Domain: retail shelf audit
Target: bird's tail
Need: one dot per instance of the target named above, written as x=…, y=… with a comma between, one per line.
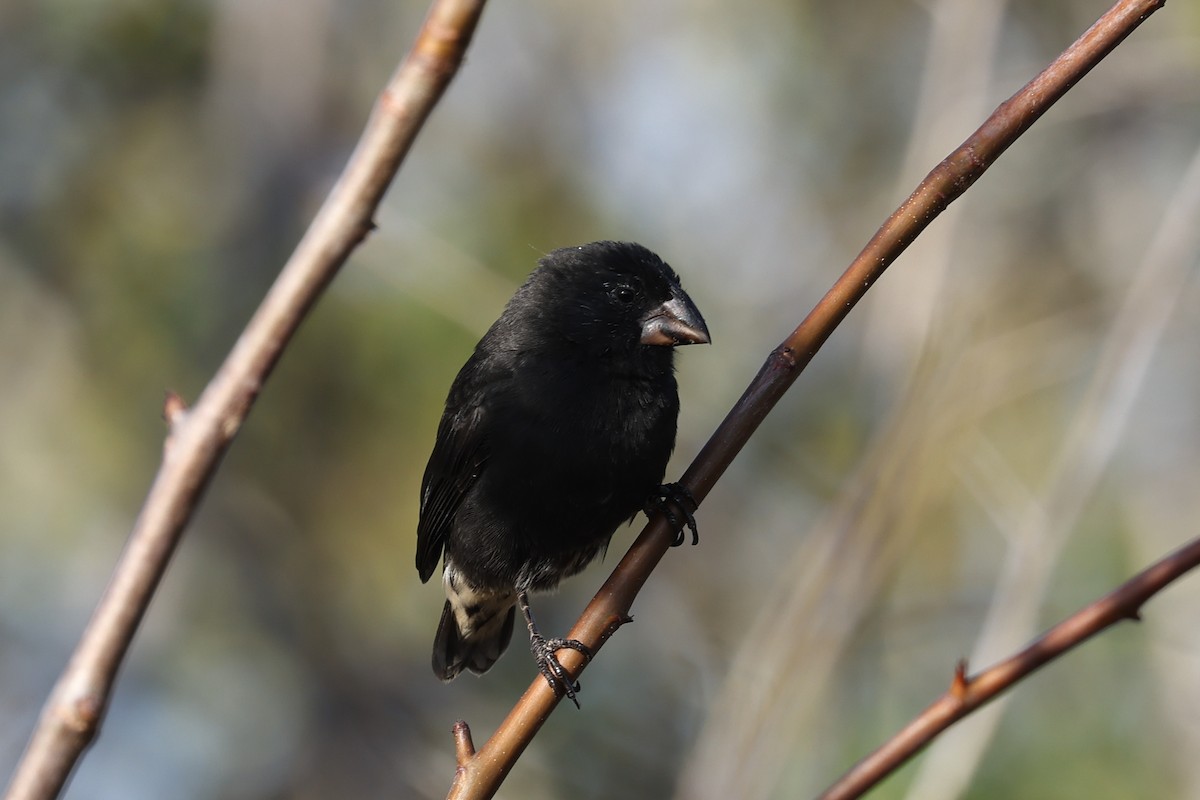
x=476, y=628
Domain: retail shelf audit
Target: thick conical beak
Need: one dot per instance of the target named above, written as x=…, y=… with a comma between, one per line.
x=675, y=322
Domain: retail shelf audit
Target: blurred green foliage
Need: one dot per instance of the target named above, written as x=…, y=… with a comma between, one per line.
x=159, y=160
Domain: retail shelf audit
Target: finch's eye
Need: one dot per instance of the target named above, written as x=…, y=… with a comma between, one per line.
x=622, y=293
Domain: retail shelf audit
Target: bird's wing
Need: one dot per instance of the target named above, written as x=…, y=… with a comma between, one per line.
x=459, y=455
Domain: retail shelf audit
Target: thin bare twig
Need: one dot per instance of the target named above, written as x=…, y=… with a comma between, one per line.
x=199, y=437
x=482, y=775
x=1043, y=527
x=968, y=693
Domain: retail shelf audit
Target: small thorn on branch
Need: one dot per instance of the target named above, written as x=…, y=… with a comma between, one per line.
x=464, y=746
x=615, y=621
x=174, y=409
x=960, y=682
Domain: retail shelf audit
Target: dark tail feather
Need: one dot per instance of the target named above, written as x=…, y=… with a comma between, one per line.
x=491, y=630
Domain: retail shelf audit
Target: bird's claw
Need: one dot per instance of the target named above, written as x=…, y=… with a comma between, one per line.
x=672, y=496
x=552, y=670
x=544, y=650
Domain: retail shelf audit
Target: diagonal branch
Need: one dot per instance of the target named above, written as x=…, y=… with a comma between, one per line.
x=480, y=774
x=199, y=437
x=968, y=693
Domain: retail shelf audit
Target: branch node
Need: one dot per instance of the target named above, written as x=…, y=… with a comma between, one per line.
x=83, y=715
x=786, y=356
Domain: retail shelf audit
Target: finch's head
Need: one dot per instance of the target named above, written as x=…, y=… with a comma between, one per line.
x=615, y=298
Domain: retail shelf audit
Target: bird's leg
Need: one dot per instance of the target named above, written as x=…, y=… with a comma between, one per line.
x=667, y=498
x=544, y=654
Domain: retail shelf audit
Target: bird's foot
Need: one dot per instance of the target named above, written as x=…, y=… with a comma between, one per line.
x=552, y=670
x=669, y=497
x=544, y=654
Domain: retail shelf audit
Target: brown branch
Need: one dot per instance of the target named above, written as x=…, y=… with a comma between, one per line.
x=482, y=775
x=969, y=693
x=199, y=436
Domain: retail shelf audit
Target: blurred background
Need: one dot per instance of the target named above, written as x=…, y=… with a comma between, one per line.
x=1008, y=427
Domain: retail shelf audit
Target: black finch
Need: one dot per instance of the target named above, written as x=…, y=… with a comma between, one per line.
x=556, y=430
